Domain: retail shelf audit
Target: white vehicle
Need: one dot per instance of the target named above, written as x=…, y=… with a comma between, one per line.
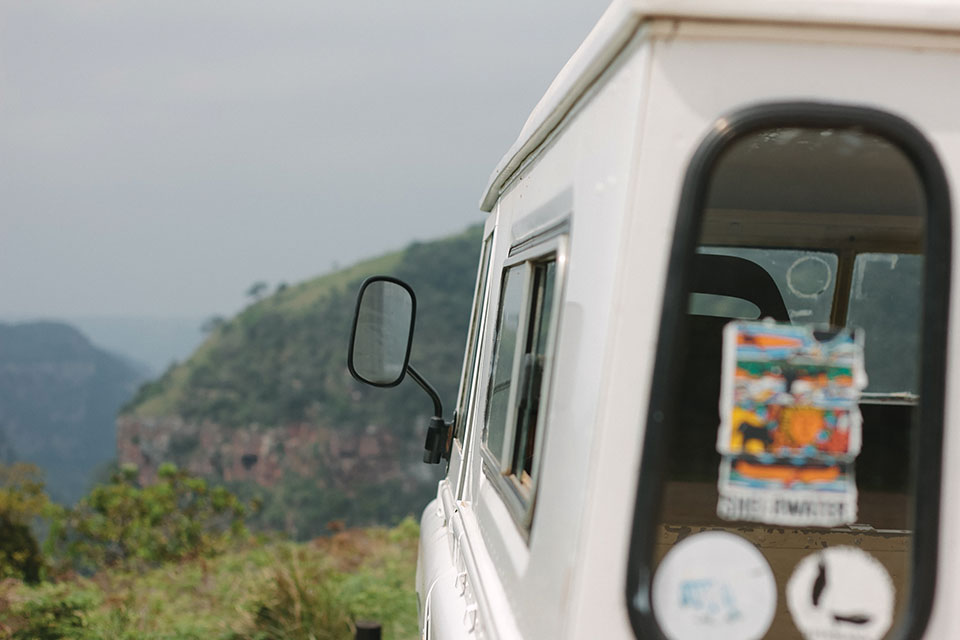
x=617, y=467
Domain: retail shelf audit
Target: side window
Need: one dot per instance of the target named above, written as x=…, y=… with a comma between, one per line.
x=464, y=402
x=790, y=474
x=504, y=359
x=514, y=425
x=531, y=373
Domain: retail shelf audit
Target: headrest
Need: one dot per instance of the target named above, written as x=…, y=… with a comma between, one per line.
x=738, y=278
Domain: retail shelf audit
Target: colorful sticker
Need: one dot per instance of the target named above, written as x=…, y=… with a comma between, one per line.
x=714, y=585
x=841, y=593
x=790, y=424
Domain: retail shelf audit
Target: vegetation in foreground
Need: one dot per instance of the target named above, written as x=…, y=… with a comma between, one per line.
x=174, y=561
x=279, y=590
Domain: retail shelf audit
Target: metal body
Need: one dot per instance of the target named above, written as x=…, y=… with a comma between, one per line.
x=603, y=159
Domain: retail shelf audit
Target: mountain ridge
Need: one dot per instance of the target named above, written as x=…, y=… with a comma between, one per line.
x=59, y=394
x=266, y=404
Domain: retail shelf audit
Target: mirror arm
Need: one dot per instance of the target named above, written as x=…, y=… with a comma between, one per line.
x=437, y=446
x=437, y=407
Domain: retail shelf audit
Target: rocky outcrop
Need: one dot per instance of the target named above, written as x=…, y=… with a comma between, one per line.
x=259, y=454
x=267, y=406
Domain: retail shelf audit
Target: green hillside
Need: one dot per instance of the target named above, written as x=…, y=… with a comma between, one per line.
x=282, y=361
x=277, y=327
x=59, y=395
x=283, y=358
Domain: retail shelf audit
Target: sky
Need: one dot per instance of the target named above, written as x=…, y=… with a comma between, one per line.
x=158, y=157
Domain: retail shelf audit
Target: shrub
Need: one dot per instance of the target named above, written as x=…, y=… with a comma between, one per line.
x=316, y=591
x=20, y=556
x=121, y=524
x=301, y=600
x=22, y=499
x=54, y=612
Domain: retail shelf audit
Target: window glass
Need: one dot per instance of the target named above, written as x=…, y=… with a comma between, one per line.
x=473, y=344
x=506, y=346
x=518, y=382
x=885, y=301
x=710, y=304
x=534, y=360
x=805, y=279
x=820, y=230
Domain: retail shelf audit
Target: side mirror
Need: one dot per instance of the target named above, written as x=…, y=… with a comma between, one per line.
x=382, y=332
x=380, y=351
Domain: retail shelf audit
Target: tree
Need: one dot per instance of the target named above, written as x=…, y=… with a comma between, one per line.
x=22, y=499
x=212, y=323
x=123, y=524
x=257, y=290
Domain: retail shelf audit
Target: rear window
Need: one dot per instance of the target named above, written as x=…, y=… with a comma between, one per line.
x=806, y=280
x=883, y=300
x=780, y=493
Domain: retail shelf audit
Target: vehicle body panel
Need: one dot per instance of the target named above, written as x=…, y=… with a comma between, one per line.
x=606, y=154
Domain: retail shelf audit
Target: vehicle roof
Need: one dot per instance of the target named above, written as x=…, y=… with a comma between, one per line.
x=621, y=19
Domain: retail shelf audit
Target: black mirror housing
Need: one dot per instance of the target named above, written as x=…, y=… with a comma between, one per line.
x=382, y=332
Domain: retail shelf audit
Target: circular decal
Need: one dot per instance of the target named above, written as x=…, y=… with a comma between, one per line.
x=714, y=585
x=809, y=276
x=841, y=593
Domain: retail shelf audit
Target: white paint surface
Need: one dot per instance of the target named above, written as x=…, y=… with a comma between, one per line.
x=640, y=121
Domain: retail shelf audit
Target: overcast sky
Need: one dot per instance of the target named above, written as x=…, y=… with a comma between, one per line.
x=157, y=157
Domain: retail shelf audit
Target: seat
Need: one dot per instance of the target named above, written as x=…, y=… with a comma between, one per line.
x=693, y=456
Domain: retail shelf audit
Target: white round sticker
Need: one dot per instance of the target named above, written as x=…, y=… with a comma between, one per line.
x=714, y=585
x=841, y=593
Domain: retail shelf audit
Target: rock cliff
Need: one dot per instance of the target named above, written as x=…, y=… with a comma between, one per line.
x=266, y=404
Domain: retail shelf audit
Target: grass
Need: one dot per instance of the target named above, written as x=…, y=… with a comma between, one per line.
x=271, y=591
x=304, y=295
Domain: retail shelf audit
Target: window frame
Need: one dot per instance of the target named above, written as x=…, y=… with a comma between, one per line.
x=549, y=246
x=468, y=376
x=464, y=418
x=665, y=388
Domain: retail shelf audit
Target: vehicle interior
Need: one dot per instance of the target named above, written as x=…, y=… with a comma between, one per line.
x=821, y=228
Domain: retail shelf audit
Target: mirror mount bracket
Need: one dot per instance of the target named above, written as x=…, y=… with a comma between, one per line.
x=426, y=386
x=436, y=447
